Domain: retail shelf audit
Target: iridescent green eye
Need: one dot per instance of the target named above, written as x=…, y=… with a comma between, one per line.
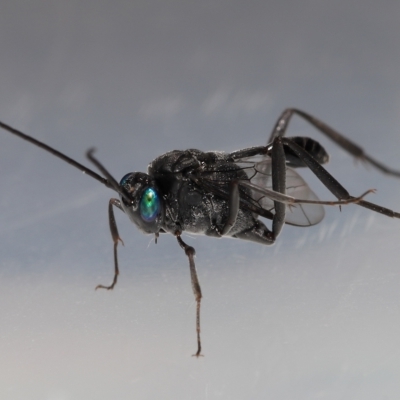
x=149, y=205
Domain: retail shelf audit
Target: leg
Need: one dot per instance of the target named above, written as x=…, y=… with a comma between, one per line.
x=190, y=252
x=115, y=238
x=346, y=144
x=278, y=193
x=277, y=166
x=233, y=205
x=278, y=182
x=259, y=233
x=332, y=184
x=278, y=169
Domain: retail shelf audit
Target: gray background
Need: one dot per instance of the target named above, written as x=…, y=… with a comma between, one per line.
x=314, y=317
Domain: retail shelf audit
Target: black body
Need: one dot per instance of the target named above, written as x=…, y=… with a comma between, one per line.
x=195, y=189
x=225, y=194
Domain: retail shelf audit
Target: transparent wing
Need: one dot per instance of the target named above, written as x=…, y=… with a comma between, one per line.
x=258, y=171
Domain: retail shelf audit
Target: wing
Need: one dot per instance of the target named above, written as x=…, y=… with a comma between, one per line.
x=259, y=183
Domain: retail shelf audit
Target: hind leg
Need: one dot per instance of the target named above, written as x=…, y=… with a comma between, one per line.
x=258, y=233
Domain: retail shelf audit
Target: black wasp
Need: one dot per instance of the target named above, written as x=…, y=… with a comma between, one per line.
x=224, y=194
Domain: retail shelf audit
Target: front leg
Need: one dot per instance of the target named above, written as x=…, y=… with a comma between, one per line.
x=190, y=252
x=115, y=238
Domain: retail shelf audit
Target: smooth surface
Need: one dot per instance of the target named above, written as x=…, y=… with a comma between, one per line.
x=314, y=317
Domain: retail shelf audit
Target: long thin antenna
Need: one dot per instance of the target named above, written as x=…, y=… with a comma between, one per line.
x=58, y=154
x=111, y=181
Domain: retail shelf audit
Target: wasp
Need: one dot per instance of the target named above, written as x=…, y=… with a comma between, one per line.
x=224, y=194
